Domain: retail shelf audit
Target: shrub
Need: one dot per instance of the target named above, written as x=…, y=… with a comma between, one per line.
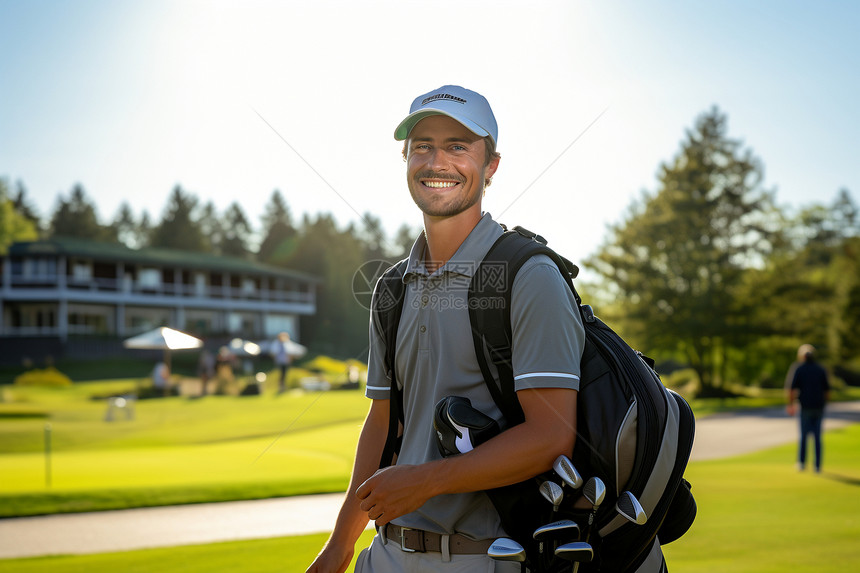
x=43, y=377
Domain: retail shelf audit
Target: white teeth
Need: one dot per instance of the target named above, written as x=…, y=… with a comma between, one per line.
x=440, y=184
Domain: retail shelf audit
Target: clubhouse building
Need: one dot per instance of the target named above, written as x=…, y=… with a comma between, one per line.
x=72, y=296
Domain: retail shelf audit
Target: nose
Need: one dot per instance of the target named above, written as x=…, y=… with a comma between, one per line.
x=438, y=160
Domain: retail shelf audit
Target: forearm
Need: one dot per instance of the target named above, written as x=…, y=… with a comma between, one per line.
x=513, y=456
x=351, y=520
x=519, y=453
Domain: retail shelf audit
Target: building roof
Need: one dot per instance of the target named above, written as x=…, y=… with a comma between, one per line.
x=75, y=247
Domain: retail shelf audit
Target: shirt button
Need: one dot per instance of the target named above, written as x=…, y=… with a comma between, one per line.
x=423, y=329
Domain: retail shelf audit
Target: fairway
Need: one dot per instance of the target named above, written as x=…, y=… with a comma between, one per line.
x=757, y=514
x=174, y=450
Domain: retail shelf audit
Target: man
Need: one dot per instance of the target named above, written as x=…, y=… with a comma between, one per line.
x=425, y=500
x=280, y=351
x=808, y=384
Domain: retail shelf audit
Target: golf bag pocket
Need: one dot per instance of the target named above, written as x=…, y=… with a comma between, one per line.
x=680, y=516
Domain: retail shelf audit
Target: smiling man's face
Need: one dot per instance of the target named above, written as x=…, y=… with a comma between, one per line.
x=445, y=167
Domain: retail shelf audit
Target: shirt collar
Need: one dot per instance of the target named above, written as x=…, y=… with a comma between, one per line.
x=470, y=253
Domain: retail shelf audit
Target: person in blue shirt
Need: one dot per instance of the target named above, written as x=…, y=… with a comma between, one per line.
x=807, y=383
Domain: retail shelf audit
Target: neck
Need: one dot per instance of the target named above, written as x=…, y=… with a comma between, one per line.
x=445, y=235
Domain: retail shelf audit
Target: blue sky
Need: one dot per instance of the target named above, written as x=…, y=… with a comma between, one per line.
x=232, y=100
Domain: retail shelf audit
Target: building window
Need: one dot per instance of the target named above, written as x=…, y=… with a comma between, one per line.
x=37, y=267
x=82, y=272
x=149, y=278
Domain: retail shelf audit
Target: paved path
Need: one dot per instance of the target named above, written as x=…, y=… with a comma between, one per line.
x=731, y=434
x=716, y=436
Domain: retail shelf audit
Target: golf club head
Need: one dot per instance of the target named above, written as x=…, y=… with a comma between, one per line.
x=552, y=492
x=505, y=549
x=557, y=530
x=459, y=427
x=575, y=551
x=568, y=474
x=594, y=491
x=630, y=508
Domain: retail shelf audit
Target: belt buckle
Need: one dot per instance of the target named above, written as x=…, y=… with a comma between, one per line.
x=403, y=531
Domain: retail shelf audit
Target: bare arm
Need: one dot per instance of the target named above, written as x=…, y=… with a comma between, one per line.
x=517, y=454
x=351, y=521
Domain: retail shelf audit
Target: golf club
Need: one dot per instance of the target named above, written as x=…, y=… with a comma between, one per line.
x=506, y=549
x=552, y=492
x=556, y=531
x=567, y=472
x=628, y=506
x=594, y=491
x=577, y=551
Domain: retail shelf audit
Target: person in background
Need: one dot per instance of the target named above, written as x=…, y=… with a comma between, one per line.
x=807, y=383
x=280, y=351
x=206, y=370
x=161, y=377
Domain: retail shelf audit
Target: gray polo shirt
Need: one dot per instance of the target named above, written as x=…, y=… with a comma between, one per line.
x=435, y=357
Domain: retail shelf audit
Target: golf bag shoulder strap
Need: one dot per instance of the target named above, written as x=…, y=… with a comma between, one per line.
x=386, y=308
x=490, y=310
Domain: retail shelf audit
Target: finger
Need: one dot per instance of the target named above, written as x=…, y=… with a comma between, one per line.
x=363, y=490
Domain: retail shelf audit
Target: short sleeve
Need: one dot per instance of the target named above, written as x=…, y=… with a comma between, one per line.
x=548, y=336
x=378, y=383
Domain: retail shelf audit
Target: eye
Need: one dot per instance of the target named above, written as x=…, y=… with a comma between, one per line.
x=458, y=147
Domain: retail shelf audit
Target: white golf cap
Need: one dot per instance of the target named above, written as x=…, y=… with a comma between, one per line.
x=468, y=107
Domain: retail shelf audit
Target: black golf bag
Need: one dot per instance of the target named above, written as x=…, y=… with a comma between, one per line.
x=632, y=432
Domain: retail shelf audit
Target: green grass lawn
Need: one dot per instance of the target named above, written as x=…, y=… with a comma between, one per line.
x=175, y=450
x=757, y=514
x=179, y=450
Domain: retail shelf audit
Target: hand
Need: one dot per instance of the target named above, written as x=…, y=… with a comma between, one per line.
x=334, y=558
x=790, y=409
x=392, y=492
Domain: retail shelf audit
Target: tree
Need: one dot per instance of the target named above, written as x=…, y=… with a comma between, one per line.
x=23, y=206
x=211, y=226
x=76, y=217
x=126, y=228
x=144, y=230
x=14, y=225
x=373, y=236
x=340, y=325
x=677, y=260
x=237, y=232
x=178, y=228
x=280, y=237
x=403, y=241
x=808, y=290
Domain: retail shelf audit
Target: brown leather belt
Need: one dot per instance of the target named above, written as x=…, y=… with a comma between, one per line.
x=417, y=540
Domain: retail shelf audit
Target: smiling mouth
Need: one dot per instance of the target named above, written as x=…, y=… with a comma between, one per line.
x=440, y=184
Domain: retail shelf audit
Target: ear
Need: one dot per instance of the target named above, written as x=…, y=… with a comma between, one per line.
x=492, y=167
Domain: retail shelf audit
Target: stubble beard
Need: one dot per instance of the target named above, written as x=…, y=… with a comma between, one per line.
x=432, y=205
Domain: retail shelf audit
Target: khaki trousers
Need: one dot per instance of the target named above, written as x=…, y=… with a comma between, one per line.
x=388, y=557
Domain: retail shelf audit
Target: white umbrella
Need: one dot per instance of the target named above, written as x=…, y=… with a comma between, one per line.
x=163, y=337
